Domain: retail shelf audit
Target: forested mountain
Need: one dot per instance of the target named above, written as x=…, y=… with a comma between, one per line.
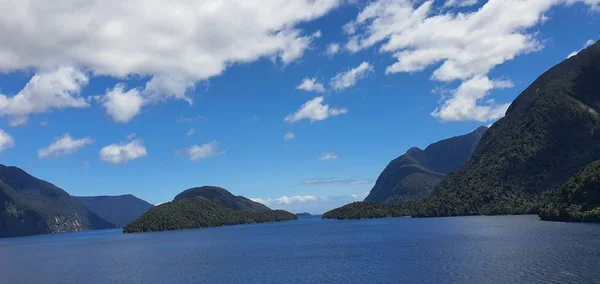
x=578, y=199
x=222, y=197
x=206, y=206
x=415, y=174
x=550, y=132
x=33, y=206
x=119, y=210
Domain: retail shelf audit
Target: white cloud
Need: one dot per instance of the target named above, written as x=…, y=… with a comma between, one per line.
x=191, y=132
x=465, y=103
x=47, y=90
x=460, y=3
x=328, y=156
x=587, y=44
x=333, y=48
x=289, y=136
x=64, y=145
x=314, y=110
x=131, y=136
x=122, y=105
x=465, y=45
x=348, y=181
x=311, y=84
x=349, y=78
x=190, y=39
x=311, y=203
x=199, y=152
x=123, y=152
x=6, y=141
x=287, y=199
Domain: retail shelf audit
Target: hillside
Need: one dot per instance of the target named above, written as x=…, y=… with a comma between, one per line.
x=578, y=199
x=34, y=206
x=119, y=210
x=415, y=174
x=550, y=132
x=202, y=207
x=222, y=197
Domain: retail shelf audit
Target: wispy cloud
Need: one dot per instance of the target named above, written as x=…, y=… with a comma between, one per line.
x=204, y=151
x=328, y=156
x=314, y=110
x=314, y=204
x=289, y=136
x=348, y=181
x=349, y=78
x=64, y=145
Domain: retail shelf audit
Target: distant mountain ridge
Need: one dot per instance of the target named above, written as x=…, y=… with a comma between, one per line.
x=33, y=206
x=415, y=174
x=222, y=197
x=119, y=210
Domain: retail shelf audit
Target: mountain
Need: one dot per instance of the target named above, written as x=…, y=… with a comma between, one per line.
x=415, y=174
x=303, y=214
x=550, y=132
x=578, y=199
x=119, y=210
x=222, y=197
x=33, y=206
x=191, y=209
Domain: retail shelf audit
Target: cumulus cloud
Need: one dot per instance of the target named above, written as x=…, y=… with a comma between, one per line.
x=460, y=3
x=314, y=110
x=6, y=141
x=463, y=45
x=287, y=199
x=333, y=48
x=466, y=102
x=311, y=84
x=64, y=145
x=59, y=88
x=123, y=152
x=587, y=44
x=328, y=156
x=348, y=181
x=190, y=39
x=204, y=151
x=122, y=105
x=349, y=78
x=289, y=136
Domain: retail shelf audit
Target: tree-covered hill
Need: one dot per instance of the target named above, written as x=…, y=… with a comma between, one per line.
x=222, y=197
x=550, y=132
x=578, y=199
x=198, y=212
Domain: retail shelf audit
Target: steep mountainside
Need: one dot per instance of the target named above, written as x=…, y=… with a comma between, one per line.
x=27, y=200
x=578, y=199
x=119, y=210
x=202, y=207
x=550, y=132
x=415, y=174
x=222, y=197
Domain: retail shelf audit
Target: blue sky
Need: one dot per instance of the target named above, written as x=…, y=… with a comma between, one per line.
x=109, y=98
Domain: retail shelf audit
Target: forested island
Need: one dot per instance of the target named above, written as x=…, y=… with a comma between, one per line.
x=203, y=207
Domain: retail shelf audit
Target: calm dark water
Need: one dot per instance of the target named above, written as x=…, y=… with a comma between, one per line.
x=505, y=249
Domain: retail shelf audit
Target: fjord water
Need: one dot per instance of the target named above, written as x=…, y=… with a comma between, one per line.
x=499, y=249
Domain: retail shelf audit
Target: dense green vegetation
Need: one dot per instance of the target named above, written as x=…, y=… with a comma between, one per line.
x=415, y=174
x=303, y=214
x=190, y=213
x=371, y=210
x=222, y=197
x=33, y=206
x=578, y=199
x=550, y=132
x=119, y=210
